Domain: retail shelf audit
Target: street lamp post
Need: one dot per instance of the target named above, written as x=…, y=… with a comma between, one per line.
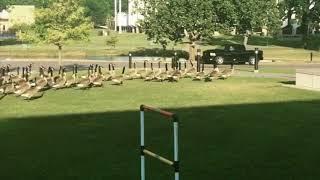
x=130, y=60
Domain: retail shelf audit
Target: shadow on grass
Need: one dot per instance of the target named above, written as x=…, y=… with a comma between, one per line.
x=288, y=82
x=157, y=52
x=256, y=41
x=248, y=141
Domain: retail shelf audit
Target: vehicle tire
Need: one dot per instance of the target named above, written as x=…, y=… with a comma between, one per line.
x=252, y=60
x=219, y=60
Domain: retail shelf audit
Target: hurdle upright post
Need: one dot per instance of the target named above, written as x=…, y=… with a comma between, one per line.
x=144, y=151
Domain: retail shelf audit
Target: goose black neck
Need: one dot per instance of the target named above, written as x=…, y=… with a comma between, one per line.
x=123, y=69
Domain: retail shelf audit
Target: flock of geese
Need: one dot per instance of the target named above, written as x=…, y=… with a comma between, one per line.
x=31, y=85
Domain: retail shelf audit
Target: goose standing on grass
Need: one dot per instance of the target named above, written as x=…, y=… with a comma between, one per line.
x=118, y=80
x=142, y=72
x=98, y=79
x=227, y=73
x=214, y=74
x=41, y=82
x=199, y=76
x=85, y=82
x=50, y=78
x=190, y=72
x=149, y=75
x=72, y=81
x=24, y=86
x=108, y=75
x=60, y=82
x=163, y=75
x=131, y=74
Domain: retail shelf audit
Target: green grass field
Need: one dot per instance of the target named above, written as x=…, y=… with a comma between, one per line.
x=285, y=50
x=240, y=128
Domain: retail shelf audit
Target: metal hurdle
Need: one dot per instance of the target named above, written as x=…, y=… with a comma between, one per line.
x=144, y=151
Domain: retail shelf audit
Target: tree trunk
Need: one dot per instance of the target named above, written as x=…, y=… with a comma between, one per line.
x=60, y=55
x=192, y=50
x=245, y=40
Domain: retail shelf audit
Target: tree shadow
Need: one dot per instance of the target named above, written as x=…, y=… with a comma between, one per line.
x=158, y=52
x=245, y=141
x=9, y=41
x=288, y=82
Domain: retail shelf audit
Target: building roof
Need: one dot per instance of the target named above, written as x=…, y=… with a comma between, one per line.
x=4, y=15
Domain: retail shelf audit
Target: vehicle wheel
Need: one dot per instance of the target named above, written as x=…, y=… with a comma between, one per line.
x=219, y=60
x=252, y=60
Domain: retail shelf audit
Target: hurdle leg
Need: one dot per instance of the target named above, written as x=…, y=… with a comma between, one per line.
x=176, y=150
x=143, y=173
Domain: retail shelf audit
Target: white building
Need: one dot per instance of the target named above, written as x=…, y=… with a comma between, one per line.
x=128, y=22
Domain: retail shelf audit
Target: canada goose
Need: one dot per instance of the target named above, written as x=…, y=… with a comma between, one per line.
x=41, y=82
x=199, y=76
x=85, y=82
x=60, y=82
x=142, y=72
x=58, y=76
x=24, y=86
x=118, y=80
x=189, y=73
x=108, y=75
x=97, y=81
x=73, y=80
x=131, y=74
x=33, y=93
x=50, y=80
x=163, y=75
x=149, y=75
x=226, y=73
x=214, y=74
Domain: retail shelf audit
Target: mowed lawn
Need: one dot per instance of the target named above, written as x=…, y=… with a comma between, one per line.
x=240, y=128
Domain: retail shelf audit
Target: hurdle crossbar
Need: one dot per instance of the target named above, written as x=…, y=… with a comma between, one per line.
x=144, y=151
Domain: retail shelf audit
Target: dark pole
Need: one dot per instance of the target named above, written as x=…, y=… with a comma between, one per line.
x=202, y=66
x=130, y=60
x=198, y=57
x=311, y=56
x=256, y=62
x=175, y=61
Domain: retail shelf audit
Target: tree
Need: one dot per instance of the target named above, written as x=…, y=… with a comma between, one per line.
x=252, y=14
x=173, y=20
x=62, y=21
x=306, y=11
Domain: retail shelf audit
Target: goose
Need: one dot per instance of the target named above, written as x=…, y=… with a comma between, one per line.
x=22, y=80
x=42, y=81
x=118, y=80
x=16, y=77
x=85, y=82
x=97, y=81
x=33, y=93
x=24, y=86
x=150, y=75
x=60, y=82
x=226, y=73
x=159, y=71
x=189, y=73
x=73, y=80
x=199, y=76
x=142, y=72
x=108, y=75
x=214, y=74
x=58, y=76
x=163, y=75
x=132, y=73
x=50, y=78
